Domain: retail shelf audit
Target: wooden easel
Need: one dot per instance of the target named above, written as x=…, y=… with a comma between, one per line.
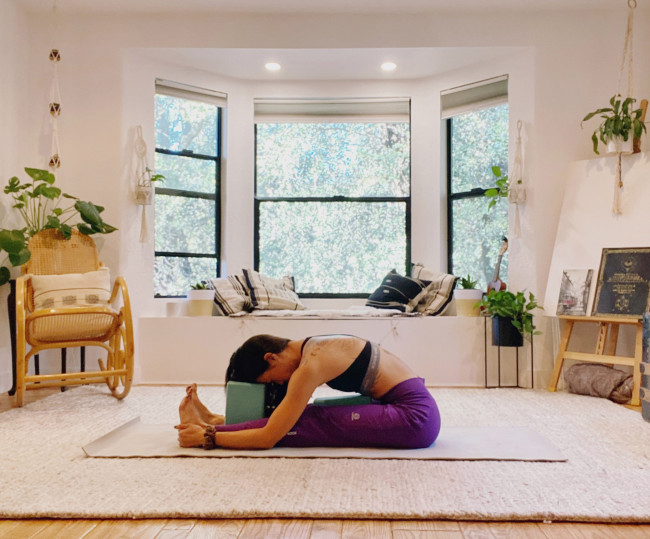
x=605, y=351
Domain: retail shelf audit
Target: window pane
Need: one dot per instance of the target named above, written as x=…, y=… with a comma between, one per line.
x=330, y=159
x=187, y=173
x=332, y=247
x=174, y=276
x=185, y=224
x=476, y=238
x=479, y=141
x=182, y=124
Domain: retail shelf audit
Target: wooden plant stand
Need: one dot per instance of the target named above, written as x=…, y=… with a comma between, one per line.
x=605, y=352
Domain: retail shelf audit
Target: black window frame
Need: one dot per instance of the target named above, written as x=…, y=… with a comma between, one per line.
x=184, y=193
x=475, y=192
x=337, y=198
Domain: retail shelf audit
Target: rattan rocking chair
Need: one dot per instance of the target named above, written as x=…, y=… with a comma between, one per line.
x=108, y=326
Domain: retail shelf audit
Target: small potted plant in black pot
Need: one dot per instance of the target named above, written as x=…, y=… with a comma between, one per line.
x=512, y=316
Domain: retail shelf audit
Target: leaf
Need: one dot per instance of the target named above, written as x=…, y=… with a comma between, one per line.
x=12, y=241
x=88, y=212
x=66, y=230
x=13, y=185
x=66, y=195
x=40, y=175
x=496, y=171
x=85, y=229
x=5, y=275
x=18, y=259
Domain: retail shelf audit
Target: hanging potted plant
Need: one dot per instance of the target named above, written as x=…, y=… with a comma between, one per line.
x=144, y=188
x=467, y=296
x=620, y=125
x=512, y=316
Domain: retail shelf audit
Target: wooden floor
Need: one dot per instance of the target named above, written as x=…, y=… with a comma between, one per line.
x=301, y=528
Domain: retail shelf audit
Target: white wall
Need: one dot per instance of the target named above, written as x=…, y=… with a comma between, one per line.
x=569, y=66
x=14, y=60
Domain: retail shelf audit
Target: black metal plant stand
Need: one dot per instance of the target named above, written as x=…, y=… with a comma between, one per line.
x=485, y=357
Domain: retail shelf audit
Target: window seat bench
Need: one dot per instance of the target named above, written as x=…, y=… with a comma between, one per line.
x=445, y=350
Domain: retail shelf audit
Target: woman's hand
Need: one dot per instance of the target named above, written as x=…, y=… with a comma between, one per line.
x=190, y=435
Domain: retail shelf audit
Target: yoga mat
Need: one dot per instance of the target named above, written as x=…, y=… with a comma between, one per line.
x=136, y=439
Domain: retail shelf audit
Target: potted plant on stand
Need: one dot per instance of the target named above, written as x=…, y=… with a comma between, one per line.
x=620, y=125
x=512, y=316
x=467, y=296
x=200, y=299
x=41, y=205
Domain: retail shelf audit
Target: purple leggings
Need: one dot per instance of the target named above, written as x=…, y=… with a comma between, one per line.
x=406, y=417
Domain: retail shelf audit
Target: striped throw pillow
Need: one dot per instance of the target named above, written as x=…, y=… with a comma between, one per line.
x=440, y=288
x=270, y=294
x=231, y=295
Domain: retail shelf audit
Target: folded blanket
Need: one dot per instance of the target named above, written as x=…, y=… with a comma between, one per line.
x=355, y=311
x=599, y=381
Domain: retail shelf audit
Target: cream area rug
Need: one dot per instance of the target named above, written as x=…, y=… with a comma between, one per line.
x=45, y=472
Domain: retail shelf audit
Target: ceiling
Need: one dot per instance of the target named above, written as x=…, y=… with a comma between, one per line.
x=317, y=64
x=310, y=6
x=328, y=64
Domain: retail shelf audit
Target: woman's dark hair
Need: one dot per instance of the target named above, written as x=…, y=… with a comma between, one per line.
x=247, y=364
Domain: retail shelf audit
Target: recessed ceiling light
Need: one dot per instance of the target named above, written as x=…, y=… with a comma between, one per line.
x=389, y=66
x=273, y=66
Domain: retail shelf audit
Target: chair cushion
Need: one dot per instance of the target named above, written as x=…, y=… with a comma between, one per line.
x=269, y=293
x=440, y=288
x=397, y=292
x=231, y=295
x=71, y=289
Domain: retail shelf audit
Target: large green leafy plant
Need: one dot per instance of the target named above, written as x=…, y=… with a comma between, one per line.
x=513, y=306
x=42, y=205
x=618, y=120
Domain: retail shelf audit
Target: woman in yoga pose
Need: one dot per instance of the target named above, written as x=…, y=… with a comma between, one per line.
x=403, y=413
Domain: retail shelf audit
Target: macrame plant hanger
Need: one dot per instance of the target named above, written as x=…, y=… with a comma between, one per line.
x=516, y=188
x=143, y=189
x=627, y=58
x=55, y=99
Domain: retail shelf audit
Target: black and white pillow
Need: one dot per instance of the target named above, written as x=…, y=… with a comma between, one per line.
x=270, y=294
x=231, y=295
x=440, y=288
x=397, y=292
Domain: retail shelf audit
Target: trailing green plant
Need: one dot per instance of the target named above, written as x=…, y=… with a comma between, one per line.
x=500, y=189
x=467, y=283
x=41, y=206
x=148, y=177
x=619, y=120
x=513, y=306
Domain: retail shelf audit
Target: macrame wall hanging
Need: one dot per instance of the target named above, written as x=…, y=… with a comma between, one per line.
x=143, y=188
x=626, y=63
x=516, y=188
x=55, y=98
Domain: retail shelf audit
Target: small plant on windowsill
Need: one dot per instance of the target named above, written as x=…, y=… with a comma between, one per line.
x=200, y=299
x=467, y=296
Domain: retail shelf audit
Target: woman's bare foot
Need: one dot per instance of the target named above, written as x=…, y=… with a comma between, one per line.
x=193, y=411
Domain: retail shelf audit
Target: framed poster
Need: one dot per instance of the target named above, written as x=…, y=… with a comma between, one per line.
x=574, y=292
x=623, y=282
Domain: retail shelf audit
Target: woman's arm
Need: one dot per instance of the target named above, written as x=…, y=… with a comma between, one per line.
x=302, y=384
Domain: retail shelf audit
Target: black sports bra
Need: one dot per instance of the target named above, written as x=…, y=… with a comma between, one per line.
x=353, y=377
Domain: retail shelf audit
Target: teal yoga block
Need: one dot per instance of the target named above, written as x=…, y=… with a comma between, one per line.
x=244, y=402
